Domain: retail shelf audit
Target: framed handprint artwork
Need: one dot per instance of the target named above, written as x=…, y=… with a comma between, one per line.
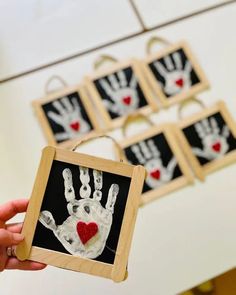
x=66, y=116
x=156, y=149
x=82, y=213
x=120, y=91
x=208, y=139
x=174, y=73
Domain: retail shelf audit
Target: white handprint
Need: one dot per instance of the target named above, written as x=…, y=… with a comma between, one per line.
x=69, y=118
x=124, y=95
x=148, y=154
x=177, y=77
x=85, y=231
x=214, y=142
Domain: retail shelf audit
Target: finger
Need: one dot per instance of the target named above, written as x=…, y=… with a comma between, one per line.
x=133, y=82
x=169, y=63
x=98, y=183
x=14, y=263
x=225, y=131
x=67, y=104
x=188, y=67
x=153, y=148
x=160, y=69
x=85, y=189
x=214, y=126
x=76, y=104
x=122, y=78
x=10, y=209
x=136, y=151
x=114, y=83
x=8, y=238
x=145, y=150
x=68, y=185
x=111, y=199
x=105, y=85
x=206, y=125
x=200, y=130
x=177, y=59
x=15, y=227
x=59, y=107
x=55, y=117
x=61, y=136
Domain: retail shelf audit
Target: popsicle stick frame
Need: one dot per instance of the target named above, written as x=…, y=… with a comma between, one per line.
x=174, y=73
x=66, y=115
x=157, y=150
x=208, y=139
x=119, y=91
x=82, y=213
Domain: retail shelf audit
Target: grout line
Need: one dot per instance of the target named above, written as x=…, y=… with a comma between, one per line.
x=195, y=13
x=84, y=52
x=138, y=15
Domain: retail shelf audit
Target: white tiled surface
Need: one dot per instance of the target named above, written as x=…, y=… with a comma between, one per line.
x=34, y=33
x=158, y=12
x=180, y=240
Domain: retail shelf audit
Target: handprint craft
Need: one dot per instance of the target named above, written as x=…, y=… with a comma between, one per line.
x=210, y=138
x=81, y=215
x=120, y=92
x=156, y=156
x=174, y=73
x=67, y=117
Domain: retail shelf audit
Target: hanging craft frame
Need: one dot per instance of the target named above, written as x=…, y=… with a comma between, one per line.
x=134, y=175
x=202, y=170
x=166, y=101
x=186, y=177
x=110, y=122
x=55, y=96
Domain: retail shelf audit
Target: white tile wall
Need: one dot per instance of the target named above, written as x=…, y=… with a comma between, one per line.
x=158, y=12
x=34, y=33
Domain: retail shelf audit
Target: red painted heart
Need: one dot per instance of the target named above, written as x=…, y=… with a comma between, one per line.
x=75, y=126
x=86, y=231
x=179, y=82
x=127, y=100
x=216, y=147
x=156, y=174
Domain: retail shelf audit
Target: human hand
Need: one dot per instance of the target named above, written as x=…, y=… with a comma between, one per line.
x=10, y=235
x=69, y=117
x=214, y=141
x=148, y=154
x=123, y=93
x=86, y=230
x=177, y=76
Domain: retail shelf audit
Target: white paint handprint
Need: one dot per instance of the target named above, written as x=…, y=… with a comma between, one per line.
x=69, y=118
x=148, y=154
x=214, y=141
x=85, y=231
x=124, y=96
x=176, y=75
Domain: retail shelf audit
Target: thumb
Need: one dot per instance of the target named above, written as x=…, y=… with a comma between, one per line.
x=8, y=238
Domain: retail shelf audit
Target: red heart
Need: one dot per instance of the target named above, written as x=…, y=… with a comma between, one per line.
x=179, y=82
x=156, y=174
x=127, y=100
x=86, y=231
x=216, y=147
x=75, y=125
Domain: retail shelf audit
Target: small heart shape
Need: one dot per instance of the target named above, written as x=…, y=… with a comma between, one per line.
x=216, y=147
x=86, y=231
x=75, y=126
x=179, y=82
x=156, y=174
x=127, y=100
